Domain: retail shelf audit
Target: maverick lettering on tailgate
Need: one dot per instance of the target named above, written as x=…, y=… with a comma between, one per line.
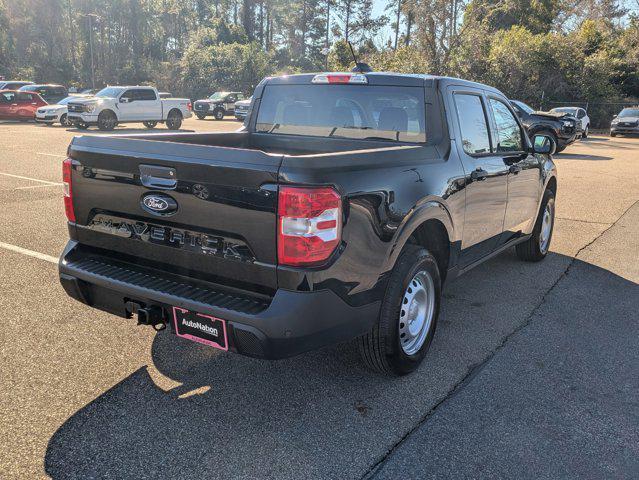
x=196, y=242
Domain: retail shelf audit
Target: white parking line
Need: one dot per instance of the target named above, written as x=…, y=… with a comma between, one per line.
x=29, y=178
x=37, y=186
x=30, y=253
x=51, y=155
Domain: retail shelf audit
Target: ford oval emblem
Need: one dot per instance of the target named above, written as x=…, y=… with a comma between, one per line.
x=159, y=204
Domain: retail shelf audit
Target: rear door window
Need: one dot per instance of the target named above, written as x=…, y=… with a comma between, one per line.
x=344, y=111
x=7, y=97
x=473, y=123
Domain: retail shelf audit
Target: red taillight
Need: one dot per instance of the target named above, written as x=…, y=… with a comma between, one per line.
x=67, y=168
x=189, y=107
x=309, y=225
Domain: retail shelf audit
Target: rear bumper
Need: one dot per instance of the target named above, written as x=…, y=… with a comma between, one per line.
x=287, y=324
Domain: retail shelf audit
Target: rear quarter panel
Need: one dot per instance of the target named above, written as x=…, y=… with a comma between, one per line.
x=387, y=194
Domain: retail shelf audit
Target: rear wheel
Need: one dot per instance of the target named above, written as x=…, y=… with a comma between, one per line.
x=150, y=125
x=218, y=114
x=64, y=120
x=613, y=134
x=585, y=134
x=408, y=316
x=107, y=120
x=174, y=120
x=536, y=247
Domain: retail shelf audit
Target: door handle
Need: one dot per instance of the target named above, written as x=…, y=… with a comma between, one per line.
x=478, y=175
x=514, y=169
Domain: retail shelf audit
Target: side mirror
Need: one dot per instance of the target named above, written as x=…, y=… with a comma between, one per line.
x=544, y=144
x=125, y=100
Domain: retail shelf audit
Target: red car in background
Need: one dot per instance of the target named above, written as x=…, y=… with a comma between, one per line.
x=15, y=105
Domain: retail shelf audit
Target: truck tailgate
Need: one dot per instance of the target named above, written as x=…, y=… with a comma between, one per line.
x=202, y=211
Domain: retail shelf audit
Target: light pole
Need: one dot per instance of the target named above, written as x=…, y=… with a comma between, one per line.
x=89, y=17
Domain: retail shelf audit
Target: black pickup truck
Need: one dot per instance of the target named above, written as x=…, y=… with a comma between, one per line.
x=335, y=215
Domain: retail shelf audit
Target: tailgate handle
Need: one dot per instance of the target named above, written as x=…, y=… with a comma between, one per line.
x=155, y=176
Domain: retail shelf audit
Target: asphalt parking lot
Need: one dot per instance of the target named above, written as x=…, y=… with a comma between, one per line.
x=533, y=373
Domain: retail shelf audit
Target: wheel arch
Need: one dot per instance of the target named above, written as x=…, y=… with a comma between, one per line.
x=175, y=109
x=109, y=110
x=429, y=225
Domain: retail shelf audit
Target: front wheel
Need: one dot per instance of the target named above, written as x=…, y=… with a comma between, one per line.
x=613, y=134
x=64, y=121
x=200, y=116
x=536, y=247
x=585, y=133
x=174, y=120
x=150, y=125
x=398, y=343
x=218, y=114
x=107, y=120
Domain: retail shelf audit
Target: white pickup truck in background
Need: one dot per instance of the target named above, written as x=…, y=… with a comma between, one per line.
x=114, y=105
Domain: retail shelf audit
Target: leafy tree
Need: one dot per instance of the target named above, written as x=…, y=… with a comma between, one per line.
x=536, y=16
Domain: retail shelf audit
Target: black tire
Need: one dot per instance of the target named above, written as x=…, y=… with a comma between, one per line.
x=174, y=120
x=107, y=120
x=381, y=348
x=200, y=116
x=150, y=125
x=531, y=250
x=585, y=132
x=218, y=114
x=80, y=125
x=64, y=120
x=560, y=149
x=613, y=134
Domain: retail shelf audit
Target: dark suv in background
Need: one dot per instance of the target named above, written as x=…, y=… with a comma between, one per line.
x=52, y=94
x=217, y=105
x=562, y=128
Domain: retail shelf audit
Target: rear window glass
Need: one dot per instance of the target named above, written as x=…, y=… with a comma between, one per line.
x=344, y=111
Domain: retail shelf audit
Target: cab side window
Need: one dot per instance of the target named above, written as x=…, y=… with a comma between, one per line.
x=130, y=94
x=508, y=132
x=145, y=94
x=473, y=123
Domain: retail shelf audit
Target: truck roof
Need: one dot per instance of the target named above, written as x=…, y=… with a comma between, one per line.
x=382, y=78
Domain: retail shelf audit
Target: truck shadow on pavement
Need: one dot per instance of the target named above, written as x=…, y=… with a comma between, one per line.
x=578, y=156
x=319, y=415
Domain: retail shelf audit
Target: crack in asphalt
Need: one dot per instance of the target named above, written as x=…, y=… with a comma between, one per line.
x=585, y=221
x=475, y=368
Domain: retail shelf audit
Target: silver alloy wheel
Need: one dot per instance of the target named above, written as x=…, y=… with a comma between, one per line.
x=546, y=228
x=416, y=312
